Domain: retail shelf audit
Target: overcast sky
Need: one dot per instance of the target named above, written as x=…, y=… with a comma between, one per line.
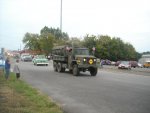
x=127, y=19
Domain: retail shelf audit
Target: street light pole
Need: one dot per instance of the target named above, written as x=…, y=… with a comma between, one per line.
x=61, y=16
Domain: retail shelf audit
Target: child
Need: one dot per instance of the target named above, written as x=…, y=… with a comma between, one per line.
x=16, y=69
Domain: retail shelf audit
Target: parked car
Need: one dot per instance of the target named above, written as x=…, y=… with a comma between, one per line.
x=134, y=64
x=124, y=65
x=140, y=65
x=106, y=62
x=26, y=57
x=113, y=63
x=147, y=64
x=40, y=60
x=117, y=63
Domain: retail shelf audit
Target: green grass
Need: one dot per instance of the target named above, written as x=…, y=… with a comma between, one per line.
x=16, y=96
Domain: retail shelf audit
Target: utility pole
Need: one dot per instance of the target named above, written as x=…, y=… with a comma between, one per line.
x=61, y=16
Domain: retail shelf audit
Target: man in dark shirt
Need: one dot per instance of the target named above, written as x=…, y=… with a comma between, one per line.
x=7, y=68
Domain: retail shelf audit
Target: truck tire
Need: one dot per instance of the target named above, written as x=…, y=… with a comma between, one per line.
x=75, y=70
x=63, y=69
x=71, y=71
x=55, y=66
x=59, y=67
x=93, y=71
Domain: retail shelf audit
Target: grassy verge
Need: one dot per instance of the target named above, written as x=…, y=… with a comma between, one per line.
x=18, y=97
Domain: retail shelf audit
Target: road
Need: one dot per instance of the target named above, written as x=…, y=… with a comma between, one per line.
x=108, y=92
x=140, y=71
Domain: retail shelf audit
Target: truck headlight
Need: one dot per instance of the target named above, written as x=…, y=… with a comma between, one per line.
x=94, y=60
x=84, y=59
x=78, y=61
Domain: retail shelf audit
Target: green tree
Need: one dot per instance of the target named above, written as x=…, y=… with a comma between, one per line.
x=89, y=42
x=103, y=46
x=42, y=43
x=56, y=32
x=117, y=50
x=130, y=52
x=114, y=49
x=148, y=52
x=31, y=41
x=46, y=43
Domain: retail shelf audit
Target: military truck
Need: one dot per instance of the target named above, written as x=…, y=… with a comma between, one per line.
x=75, y=59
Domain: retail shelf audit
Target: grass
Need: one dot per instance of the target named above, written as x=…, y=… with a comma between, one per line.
x=16, y=96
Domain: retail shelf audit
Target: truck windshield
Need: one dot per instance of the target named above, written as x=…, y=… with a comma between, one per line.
x=81, y=51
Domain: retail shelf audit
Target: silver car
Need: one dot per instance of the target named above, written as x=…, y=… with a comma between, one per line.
x=26, y=57
x=124, y=65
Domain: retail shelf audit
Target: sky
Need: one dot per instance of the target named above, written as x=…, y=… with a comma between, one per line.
x=126, y=19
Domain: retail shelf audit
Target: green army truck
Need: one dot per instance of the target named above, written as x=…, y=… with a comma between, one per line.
x=75, y=59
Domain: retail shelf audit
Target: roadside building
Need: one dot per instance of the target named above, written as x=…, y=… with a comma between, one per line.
x=144, y=58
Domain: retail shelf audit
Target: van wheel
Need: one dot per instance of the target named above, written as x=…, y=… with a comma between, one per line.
x=63, y=69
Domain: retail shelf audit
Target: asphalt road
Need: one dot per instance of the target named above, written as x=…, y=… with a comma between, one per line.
x=108, y=92
x=139, y=71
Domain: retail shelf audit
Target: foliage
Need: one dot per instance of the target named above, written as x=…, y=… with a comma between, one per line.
x=45, y=41
x=75, y=41
x=89, y=42
x=31, y=41
x=138, y=56
x=112, y=48
x=56, y=32
x=148, y=52
x=103, y=47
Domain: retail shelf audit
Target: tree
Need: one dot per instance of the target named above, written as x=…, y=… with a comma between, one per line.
x=103, y=46
x=89, y=42
x=130, y=52
x=56, y=32
x=117, y=49
x=46, y=43
x=106, y=47
x=31, y=41
x=42, y=43
x=148, y=52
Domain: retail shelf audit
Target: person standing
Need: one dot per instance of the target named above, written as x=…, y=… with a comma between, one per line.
x=16, y=69
x=7, y=68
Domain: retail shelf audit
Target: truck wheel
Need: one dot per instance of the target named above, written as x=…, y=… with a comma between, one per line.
x=70, y=71
x=75, y=70
x=93, y=71
x=55, y=66
x=63, y=69
x=59, y=67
